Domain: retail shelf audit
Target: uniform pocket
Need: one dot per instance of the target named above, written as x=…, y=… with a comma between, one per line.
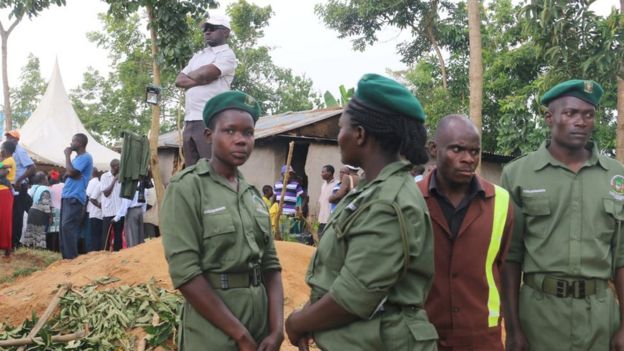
x=615, y=214
x=265, y=228
x=422, y=330
x=217, y=224
x=219, y=238
x=536, y=210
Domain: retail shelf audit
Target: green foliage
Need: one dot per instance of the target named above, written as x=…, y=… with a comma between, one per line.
x=27, y=96
x=110, y=314
x=30, y=8
x=345, y=96
x=527, y=48
x=277, y=89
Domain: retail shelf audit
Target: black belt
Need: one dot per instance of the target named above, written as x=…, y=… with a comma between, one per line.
x=224, y=281
x=393, y=308
x=566, y=287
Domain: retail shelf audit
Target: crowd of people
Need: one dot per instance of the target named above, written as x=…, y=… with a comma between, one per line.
x=77, y=212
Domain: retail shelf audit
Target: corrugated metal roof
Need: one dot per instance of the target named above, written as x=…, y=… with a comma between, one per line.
x=270, y=125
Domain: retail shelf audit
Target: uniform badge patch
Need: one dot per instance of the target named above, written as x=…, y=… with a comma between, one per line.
x=617, y=187
x=589, y=87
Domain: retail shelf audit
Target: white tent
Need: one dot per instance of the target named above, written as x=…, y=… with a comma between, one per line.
x=53, y=124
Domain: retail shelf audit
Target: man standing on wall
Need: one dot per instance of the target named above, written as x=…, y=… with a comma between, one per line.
x=208, y=73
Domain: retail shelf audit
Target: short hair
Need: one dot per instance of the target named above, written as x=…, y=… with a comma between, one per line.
x=266, y=189
x=9, y=147
x=82, y=138
x=329, y=168
x=39, y=177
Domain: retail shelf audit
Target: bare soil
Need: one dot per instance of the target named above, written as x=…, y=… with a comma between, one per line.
x=132, y=266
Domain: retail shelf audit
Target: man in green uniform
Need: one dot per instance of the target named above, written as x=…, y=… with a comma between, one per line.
x=373, y=268
x=218, y=241
x=569, y=203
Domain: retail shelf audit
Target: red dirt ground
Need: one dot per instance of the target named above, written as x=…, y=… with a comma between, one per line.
x=133, y=266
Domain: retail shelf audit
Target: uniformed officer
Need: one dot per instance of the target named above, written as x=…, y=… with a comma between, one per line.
x=218, y=240
x=569, y=210
x=373, y=268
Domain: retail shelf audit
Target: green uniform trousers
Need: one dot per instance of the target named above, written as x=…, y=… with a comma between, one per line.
x=407, y=330
x=249, y=305
x=567, y=324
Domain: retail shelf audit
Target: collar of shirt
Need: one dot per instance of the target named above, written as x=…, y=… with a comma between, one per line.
x=385, y=173
x=543, y=157
x=474, y=189
x=217, y=49
x=203, y=166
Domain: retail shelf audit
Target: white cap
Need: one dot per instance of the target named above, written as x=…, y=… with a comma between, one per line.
x=219, y=21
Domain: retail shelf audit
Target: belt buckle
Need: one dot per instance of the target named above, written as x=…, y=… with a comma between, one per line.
x=579, y=289
x=562, y=288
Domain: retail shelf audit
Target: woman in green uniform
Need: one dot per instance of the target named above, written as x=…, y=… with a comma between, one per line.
x=218, y=241
x=373, y=268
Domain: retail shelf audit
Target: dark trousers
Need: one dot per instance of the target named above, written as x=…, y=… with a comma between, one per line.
x=96, y=235
x=194, y=145
x=71, y=213
x=21, y=204
x=151, y=230
x=107, y=222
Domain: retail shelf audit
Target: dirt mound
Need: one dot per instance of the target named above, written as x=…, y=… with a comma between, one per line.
x=132, y=266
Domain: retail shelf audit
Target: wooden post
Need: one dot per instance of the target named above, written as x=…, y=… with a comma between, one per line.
x=47, y=313
x=155, y=127
x=291, y=148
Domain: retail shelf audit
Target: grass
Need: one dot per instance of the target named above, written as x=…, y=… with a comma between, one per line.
x=24, y=262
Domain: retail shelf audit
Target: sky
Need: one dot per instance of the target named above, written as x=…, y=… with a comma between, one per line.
x=299, y=39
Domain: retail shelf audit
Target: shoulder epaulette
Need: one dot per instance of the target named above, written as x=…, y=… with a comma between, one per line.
x=182, y=173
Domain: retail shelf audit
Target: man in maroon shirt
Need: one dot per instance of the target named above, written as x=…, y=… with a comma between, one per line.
x=472, y=224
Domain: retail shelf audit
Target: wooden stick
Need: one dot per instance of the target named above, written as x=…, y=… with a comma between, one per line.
x=48, y=312
x=56, y=338
x=291, y=148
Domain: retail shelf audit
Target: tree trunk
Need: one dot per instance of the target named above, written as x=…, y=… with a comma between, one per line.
x=476, y=63
x=155, y=128
x=436, y=47
x=619, y=139
x=8, y=113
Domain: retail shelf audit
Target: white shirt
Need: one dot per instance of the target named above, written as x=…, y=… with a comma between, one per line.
x=224, y=59
x=324, y=205
x=94, y=192
x=151, y=215
x=126, y=204
x=111, y=203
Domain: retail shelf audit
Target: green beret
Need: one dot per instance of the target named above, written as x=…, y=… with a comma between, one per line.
x=231, y=100
x=586, y=90
x=389, y=97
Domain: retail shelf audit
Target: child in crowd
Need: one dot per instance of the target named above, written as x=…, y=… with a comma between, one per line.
x=4, y=170
x=6, y=198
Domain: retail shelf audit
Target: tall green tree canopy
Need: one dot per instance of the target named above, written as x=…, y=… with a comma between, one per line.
x=27, y=95
x=527, y=48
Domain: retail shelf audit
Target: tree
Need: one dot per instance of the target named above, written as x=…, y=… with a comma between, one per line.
x=574, y=42
x=169, y=20
x=476, y=63
x=620, y=104
x=27, y=96
x=19, y=8
x=277, y=89
x=362, y=19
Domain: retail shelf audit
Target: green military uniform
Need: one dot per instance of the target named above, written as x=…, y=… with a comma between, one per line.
x=225, y=234
x=209, y=228
x=567, y=229
x=361, y=262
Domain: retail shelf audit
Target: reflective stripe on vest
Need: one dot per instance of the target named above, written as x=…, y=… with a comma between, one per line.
x=501, y=206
